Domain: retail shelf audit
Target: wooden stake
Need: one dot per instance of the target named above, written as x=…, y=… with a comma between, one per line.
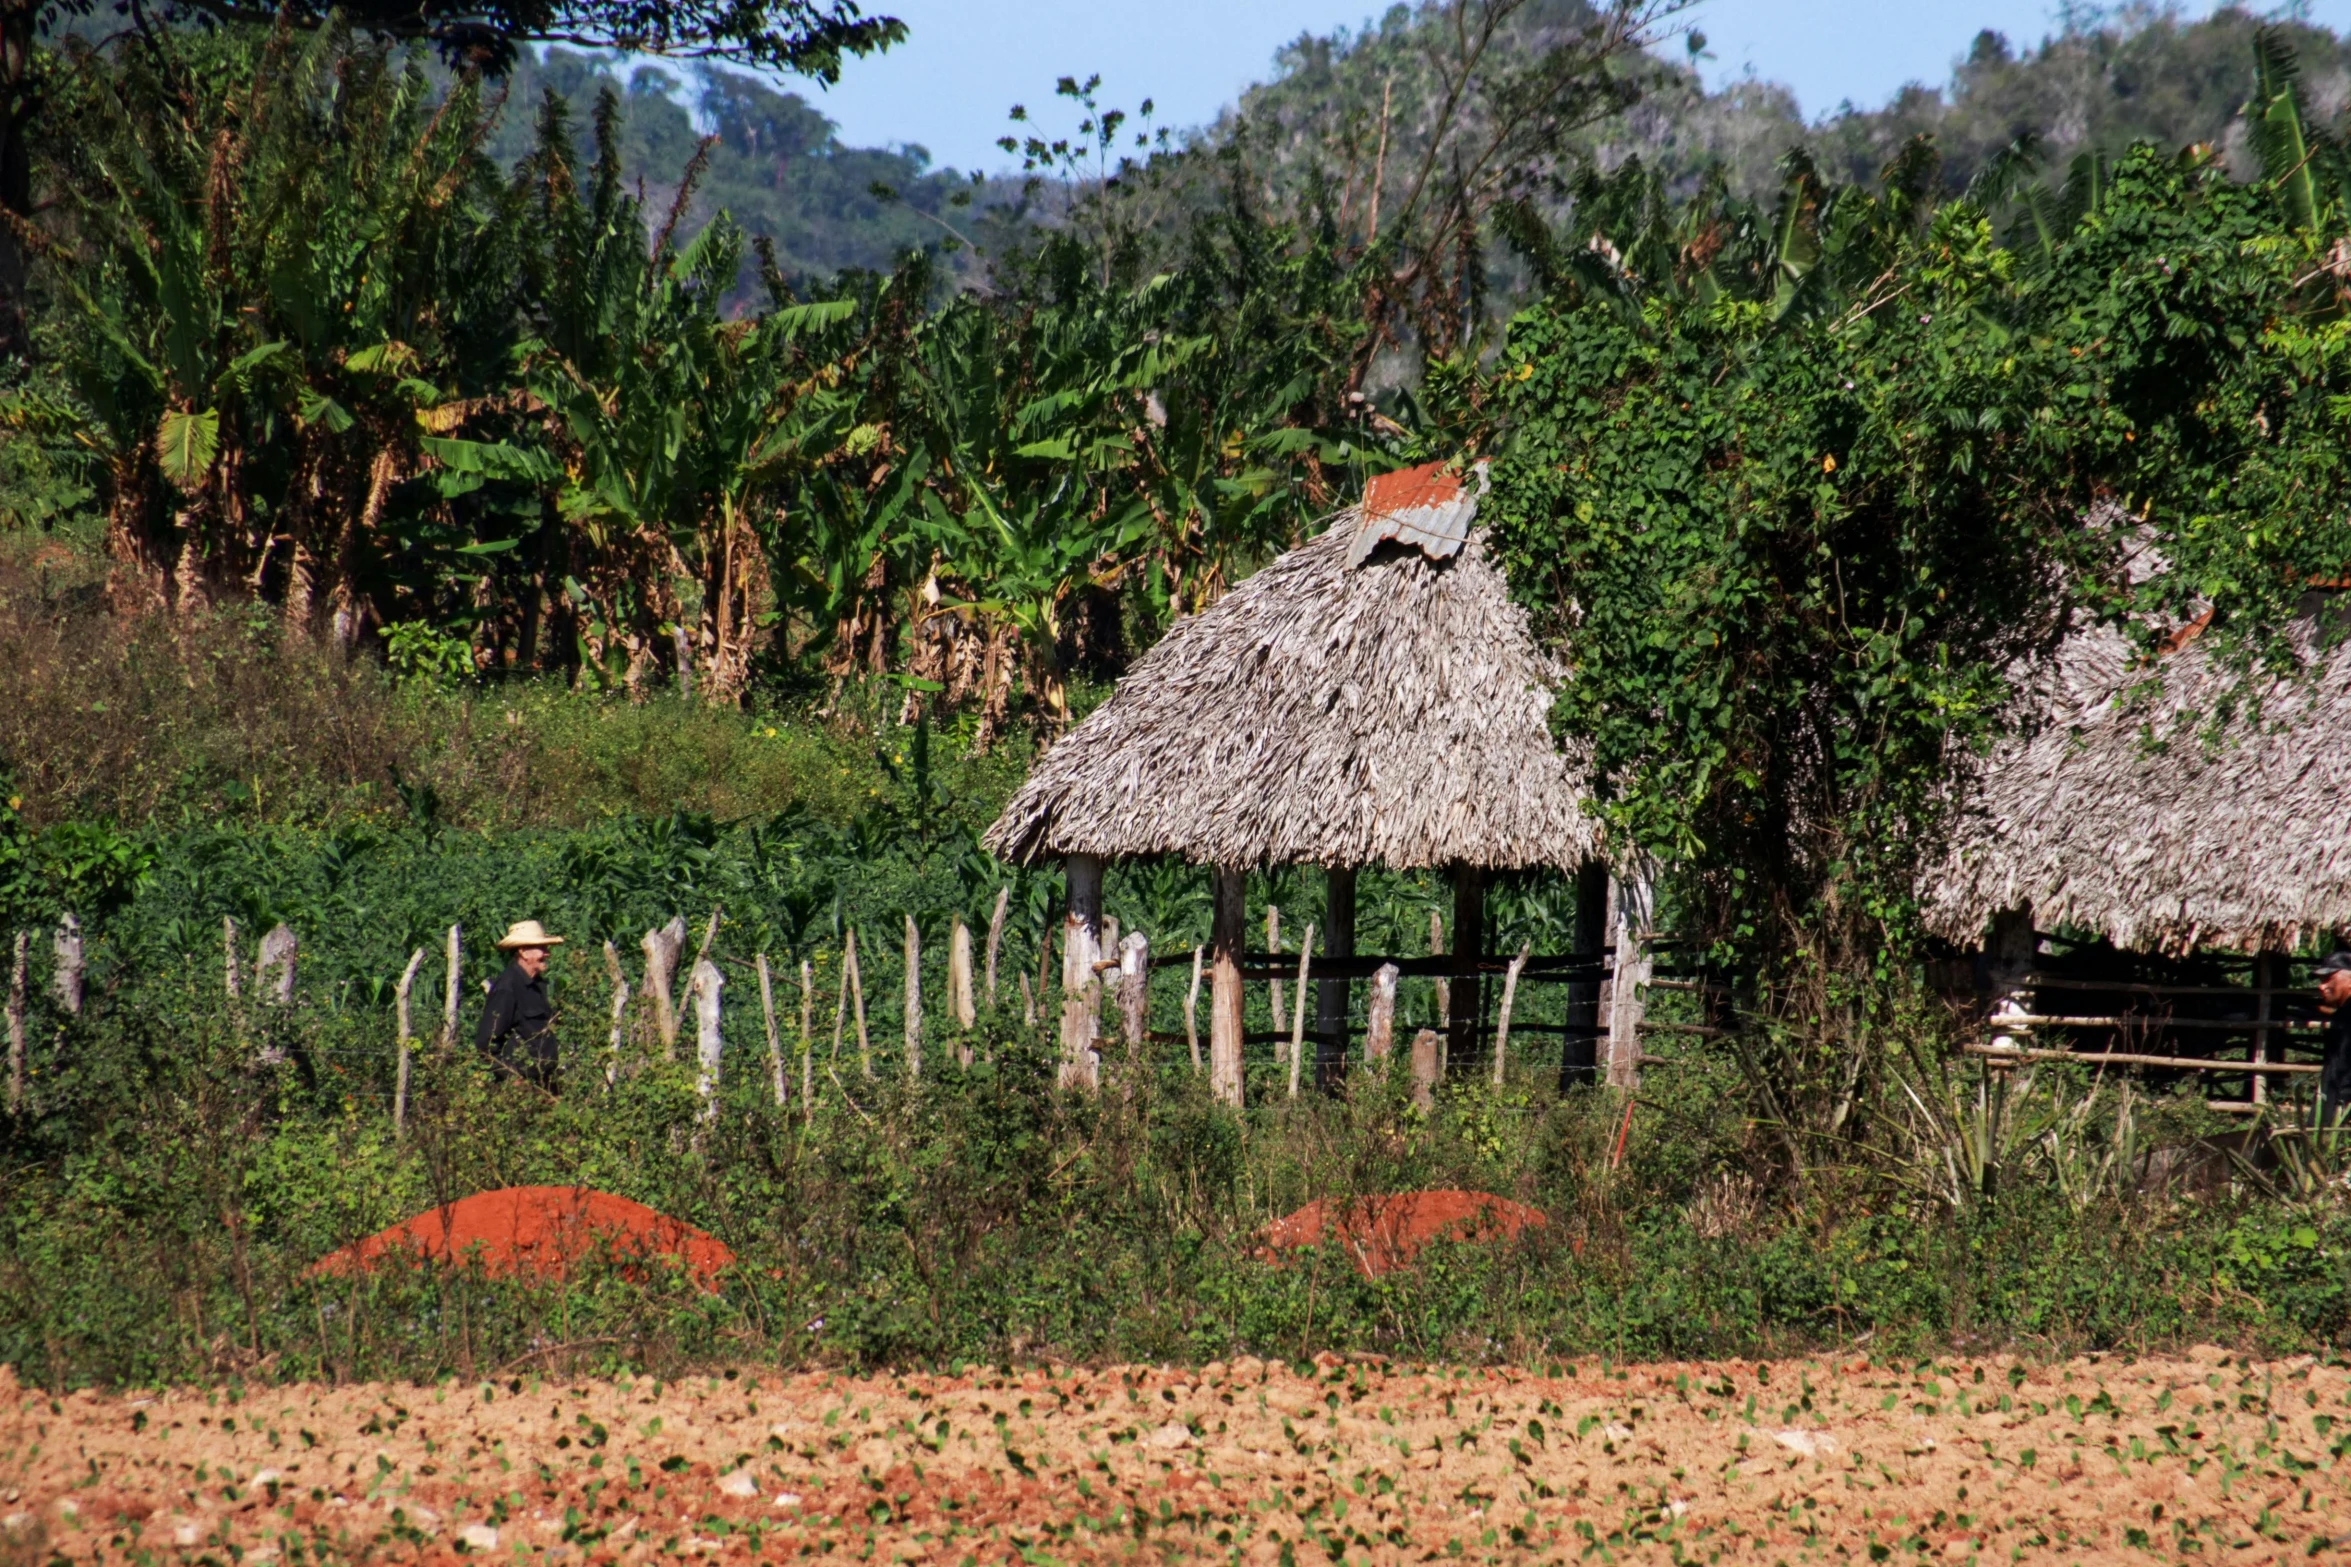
x=1081, y=987
x=1502, y=1022
x=1425, y=1046
x=705, y=983
x=996, y=937
x=913, y=1014
x=767, y=1013
x=807, y=1041
x=841, y=1007
x=406, y=1038
x=960, y=1000
x=1225, y=1014
x=1298, y=1013
x=16, y=983
x=228, y=948
x=273, y=972
x=1444, y=986
x=67, y=980
x=856, y=978
x=1028, y=1002
x=1379, y=1024
x=620, y=1007
x=1192, y=1011
x=1134, y=994
x=709, y=935
x=661, y=949
x=449, y=994
x=1273, y=945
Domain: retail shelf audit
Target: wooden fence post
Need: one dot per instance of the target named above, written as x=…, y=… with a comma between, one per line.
x=1134, y=1003
x=1379, y=1023
x=16, y=984
x=620, y=1007
x=1631, y=975
x=1225, y=1013
x=1273, y=987
x=1298, y=1013
x=406, y=1038
x=807, y=1041
x=661, y=949
x=1192, y=1011
x=1444, y=986
x=913, y=1013
x=855, y=977
x=449, y=991
x=273, y=971
x=1028, y=1002
x=228, y=948
x=706, y=982
x=961, y=1004
x=1425, y=1047
x=1081, y=986
x=67, y=980
x=996, y=937
x=767, y=1013
x=1502, y=1022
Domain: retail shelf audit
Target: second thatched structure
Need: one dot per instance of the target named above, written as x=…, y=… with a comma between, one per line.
x=1373, y=696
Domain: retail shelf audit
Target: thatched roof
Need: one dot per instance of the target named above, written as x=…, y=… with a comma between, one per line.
x=2135, y=811
x=1391, y=713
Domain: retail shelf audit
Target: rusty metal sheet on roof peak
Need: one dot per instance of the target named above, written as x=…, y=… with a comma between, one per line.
x=1427, y=507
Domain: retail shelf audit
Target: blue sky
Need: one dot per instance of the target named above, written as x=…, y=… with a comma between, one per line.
x=970, y=60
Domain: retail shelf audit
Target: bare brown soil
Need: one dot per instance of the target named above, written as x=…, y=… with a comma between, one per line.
x=544, y=1231
x=2204, y=1458
x=1381, y=1233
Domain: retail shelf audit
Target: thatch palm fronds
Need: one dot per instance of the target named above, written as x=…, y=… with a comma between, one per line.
x=1393, y=713
x=2164, y=809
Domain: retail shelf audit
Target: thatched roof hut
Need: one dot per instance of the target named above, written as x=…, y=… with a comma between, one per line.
x=2163, y=808
x=1373, y=696
x=1392, y=713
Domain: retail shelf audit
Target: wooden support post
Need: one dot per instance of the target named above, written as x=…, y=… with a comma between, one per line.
x=996, y=938
x=1332, y=995
x=1225, y=1015
x=1443, y=986
x=1273, y=990
x=16, y=988
x=1502, y=1023
x=1192, y=1011
x=406, y=1038
x=913, y=1004
x=1631, y=978
x=620, y=1008
x=1081, y=986
x=960, y=1000
x=273, y=971
x=1579, y=1054
x=2264, y=1008
x=1469, y=946
x=1028, y=1002
x=661, y=949
x=1134, y=994
x=449, y=990
x=2010, y=955
x=231, y=973
x=854, y=978
x=807, y=1041
x=705, y=983
x=1298, y=1012
x=66, y=978
x=775, y=1042
x=1426, y=1047
x=1379, y=1024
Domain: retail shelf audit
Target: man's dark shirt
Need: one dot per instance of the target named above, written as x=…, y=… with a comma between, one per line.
x=517, y=1028
x=2334, y=1079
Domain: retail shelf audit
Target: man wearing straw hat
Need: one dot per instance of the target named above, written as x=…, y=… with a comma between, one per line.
x=518, y=1028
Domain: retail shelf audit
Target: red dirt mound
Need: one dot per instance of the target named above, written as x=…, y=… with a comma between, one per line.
x=542, y=1231
x=1388, y=1232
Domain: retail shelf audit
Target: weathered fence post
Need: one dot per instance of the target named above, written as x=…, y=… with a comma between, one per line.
x=67, y=980
x=1502, y=1022
x=449, y=994
x=706, y=982
x=661, y=961
x=961, y=1004
x=16, y=984
x=996, y=937
x=913, y=1012
x=273, y=970
x=1379, y=1022
x=1134, y=993
x=856, y=979
x=228, y=949
x=1081, y=987
x=767, y=1013
x=1273, y=990
x=1298, y=1013
x=1226, y=1017
x=1425, y=1047
x=1444, y=986
x=1192, y=1011
x=1632, y=968
x=620, y=1007
x=1028, y=1002
x=807, y=1041
x=406, y=1040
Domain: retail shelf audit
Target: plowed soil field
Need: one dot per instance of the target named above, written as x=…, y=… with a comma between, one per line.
x=2203, y=1458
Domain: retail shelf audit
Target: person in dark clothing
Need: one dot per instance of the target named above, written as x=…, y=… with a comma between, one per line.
x=517, y=1031
x=2334, y=998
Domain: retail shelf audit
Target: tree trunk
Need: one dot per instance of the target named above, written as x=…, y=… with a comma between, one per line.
x=19, y=103
x=1225, y=1016
x=1081, y=988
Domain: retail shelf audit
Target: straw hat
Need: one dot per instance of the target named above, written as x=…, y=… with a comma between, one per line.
x=527, y=934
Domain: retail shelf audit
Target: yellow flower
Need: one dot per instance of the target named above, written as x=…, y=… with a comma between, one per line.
x=1828, y=464
x=16, y=802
